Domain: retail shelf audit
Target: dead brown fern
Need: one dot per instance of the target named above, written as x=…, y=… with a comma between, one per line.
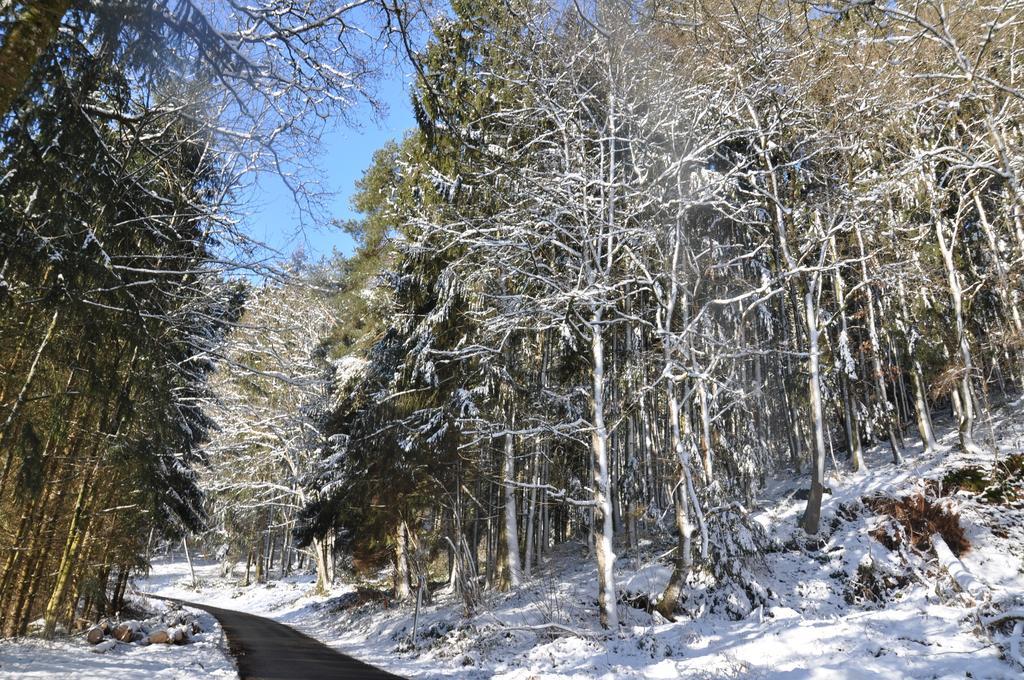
x=946, y=381
x=918, y=518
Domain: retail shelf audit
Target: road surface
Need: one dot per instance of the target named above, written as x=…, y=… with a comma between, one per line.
x=268, y=650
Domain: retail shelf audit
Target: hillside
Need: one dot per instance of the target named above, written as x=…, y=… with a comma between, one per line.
x=840, y=604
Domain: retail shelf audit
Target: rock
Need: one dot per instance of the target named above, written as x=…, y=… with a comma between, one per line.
x=804, y=494
x=95, y=635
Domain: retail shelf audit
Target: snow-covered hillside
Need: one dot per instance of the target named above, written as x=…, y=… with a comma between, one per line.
x=839, y=605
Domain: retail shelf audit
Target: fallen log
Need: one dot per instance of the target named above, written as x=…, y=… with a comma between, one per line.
x=104, y=646
x=95, y=635
x=178, y=634
x=1016, y=613
x=978, y=591
x=1016, y=637
x=159, y=637
x=952, y=565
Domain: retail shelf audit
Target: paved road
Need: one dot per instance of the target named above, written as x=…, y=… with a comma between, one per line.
x=268, y=650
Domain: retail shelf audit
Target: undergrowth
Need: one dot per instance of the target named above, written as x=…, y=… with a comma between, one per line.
x=1002, y=485
x=915, y=519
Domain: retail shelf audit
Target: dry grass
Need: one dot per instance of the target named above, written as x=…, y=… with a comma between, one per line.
x=946, y=381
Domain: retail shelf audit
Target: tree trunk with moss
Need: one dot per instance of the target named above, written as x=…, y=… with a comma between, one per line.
x=32, y=32
x=74, y=537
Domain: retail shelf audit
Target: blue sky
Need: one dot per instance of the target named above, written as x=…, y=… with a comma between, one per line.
x=273, y=217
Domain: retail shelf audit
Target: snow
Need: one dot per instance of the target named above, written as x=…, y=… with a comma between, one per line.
x=547, y=630
x=807, y=629
x=73, y=657
x=649, y=580
x=170, y=577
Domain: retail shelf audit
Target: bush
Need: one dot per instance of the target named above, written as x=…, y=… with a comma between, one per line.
x=736, y=547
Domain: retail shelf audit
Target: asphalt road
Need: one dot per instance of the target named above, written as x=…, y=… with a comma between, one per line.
x=268, y=650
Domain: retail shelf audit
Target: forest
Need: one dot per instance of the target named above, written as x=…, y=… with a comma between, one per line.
x=638, y=263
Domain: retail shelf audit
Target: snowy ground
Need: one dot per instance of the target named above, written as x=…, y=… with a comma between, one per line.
x=807, y=629
x=73, y=657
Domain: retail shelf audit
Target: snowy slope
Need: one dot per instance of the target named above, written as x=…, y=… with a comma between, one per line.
x=807, y=628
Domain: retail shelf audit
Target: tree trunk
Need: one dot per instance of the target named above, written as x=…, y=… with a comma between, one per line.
x=23, y=394
x=876, y=362
x=261, y=558
x=966, y=393
x=531, y=515
x=515, y=572
x=191, y=567
x=402, y=589
x=33, y=30
x=705, y=429
x=673, y=592
x=120, y=586
x=75, y=532
x=921, y=410
x=323, y=568
x=149, y=548
x=603, y=529
x=849, y=401
x=286, y=551
x=271, y=553
x=684, y=550
x=812, y=515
